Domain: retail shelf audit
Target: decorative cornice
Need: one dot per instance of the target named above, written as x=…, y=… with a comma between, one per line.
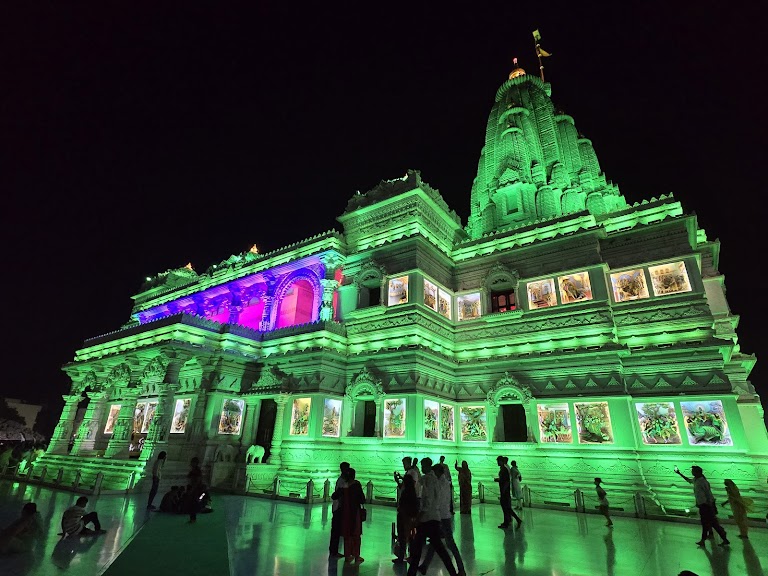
x=508, y=387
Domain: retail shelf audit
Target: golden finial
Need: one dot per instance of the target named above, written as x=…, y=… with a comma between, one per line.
x=517, y=71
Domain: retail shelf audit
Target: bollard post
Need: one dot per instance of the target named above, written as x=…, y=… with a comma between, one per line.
x=326, y=490
x=43, y=474
x=526, y=496
x=310, y=491
x=97, y=483
x=640, y=506
x=481, y=492
x=369, y=492
x=132, y=480
x=578, y=496
x=76, y=483
x=29, y=472
x=276, y=487
x=59, y=476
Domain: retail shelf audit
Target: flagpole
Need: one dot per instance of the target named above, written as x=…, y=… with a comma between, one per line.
x=538, y=55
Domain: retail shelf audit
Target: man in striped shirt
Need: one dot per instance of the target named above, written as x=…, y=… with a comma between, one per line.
x=75, y=519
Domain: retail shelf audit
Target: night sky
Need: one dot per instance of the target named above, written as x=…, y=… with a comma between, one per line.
x=140, y=138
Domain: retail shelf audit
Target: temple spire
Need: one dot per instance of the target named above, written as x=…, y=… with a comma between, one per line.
x=516, y=71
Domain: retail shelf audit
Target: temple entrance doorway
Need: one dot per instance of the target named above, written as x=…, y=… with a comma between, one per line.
x=266, y=426
x=514, y=426
x=369, y=421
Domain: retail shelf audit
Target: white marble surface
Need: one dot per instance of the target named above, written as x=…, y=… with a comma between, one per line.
x=282, y=538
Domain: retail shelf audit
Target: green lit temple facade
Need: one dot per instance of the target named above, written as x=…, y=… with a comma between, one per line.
x=561, y=326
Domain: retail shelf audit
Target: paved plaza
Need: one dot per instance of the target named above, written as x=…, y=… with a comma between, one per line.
x=247, y=536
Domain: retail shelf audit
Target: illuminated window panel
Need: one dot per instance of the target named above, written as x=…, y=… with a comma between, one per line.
x=139, y=413
x=394, y=418
x=474, y=424
x=150, y=414
x=574, y=287
x=629, y=285
x=430, y=295
x=541, y=294
x=444, y=303
x=300, y=416
x=705, y=423
x=231, y=416
x=114, y=411
x=468, y=306
x=180, y=416
x=669, y=279
x=593, y=423
x=555, y=423
x=331, y=418
x=446, y=422
x=658, y=423
x=398, y=291
x=431, y=420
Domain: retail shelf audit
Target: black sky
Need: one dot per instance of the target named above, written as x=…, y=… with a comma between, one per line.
x=140, y=137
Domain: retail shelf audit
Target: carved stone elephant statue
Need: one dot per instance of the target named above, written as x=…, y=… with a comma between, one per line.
x=225, y=453
x=255, y=454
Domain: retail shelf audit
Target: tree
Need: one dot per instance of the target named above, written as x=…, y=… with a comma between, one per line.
x=7, y=412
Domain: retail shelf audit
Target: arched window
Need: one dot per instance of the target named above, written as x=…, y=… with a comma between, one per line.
x=296, y=305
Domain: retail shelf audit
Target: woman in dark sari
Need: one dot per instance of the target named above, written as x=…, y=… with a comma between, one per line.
x=352, y=501
x=465, y=487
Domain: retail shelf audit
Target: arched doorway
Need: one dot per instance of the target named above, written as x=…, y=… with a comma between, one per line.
x=296, y=305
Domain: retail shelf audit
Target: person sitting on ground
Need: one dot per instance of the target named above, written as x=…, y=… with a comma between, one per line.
x=169, y=498
x=21, y=534
x=75, y=519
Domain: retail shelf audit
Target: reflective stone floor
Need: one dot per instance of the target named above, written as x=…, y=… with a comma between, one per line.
x=281, y=538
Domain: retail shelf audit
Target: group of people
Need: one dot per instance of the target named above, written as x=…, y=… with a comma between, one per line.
x=707, y=505
x=193, y=499
x=21, y=534
x=20, y=456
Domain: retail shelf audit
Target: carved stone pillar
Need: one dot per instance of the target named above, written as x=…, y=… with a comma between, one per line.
x=277, y=433
x=89, y=428
x=491, y=417
x=326, y=307
x=64, y=429
x=198, y=425
x=121, y=435
x=161, y=421
x=377, y=424
x=252, y=410
x=352, y=407
x=265, y=325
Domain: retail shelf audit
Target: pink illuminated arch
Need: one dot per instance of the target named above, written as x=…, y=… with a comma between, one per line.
x=298, y=300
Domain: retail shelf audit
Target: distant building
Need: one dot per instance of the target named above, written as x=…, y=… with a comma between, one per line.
x=27, y=411
x=562, y=327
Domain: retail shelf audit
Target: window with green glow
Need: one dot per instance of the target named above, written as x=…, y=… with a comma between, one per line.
x=593, y=423
x=231, y=419
x=705, y=423
x=446, y=422
x=431, y=419
x=180, y=415
x=629, y=285
x=658, y=423
x=669, y=279
x=574, y=287
x=331, y=418
x=300, y=416
x=430, y=295
x=114, y=411
x=444, y=303
x=474, y=423
x=394, y=418
x=468, y=306
x=398, y=290
x=555, y=423
x=541, y=294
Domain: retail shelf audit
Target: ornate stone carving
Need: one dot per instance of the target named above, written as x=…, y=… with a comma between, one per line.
x=364, y=383
x=500, y=274
x=88, y=382
x=120, y=376
x=508, y=388
x=369, y=270
x=271, y=380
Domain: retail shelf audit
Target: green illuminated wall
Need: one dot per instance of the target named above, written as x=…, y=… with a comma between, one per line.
x=615, y=305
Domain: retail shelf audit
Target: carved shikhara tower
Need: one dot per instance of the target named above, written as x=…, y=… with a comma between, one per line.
x=562, y=327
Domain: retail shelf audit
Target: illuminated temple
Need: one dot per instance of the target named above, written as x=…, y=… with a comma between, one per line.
x=561, y=326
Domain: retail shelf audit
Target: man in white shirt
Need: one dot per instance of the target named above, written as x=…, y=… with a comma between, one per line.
x=429, y=522
x=445, y=496
x=341, y=483
x=157, y=472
